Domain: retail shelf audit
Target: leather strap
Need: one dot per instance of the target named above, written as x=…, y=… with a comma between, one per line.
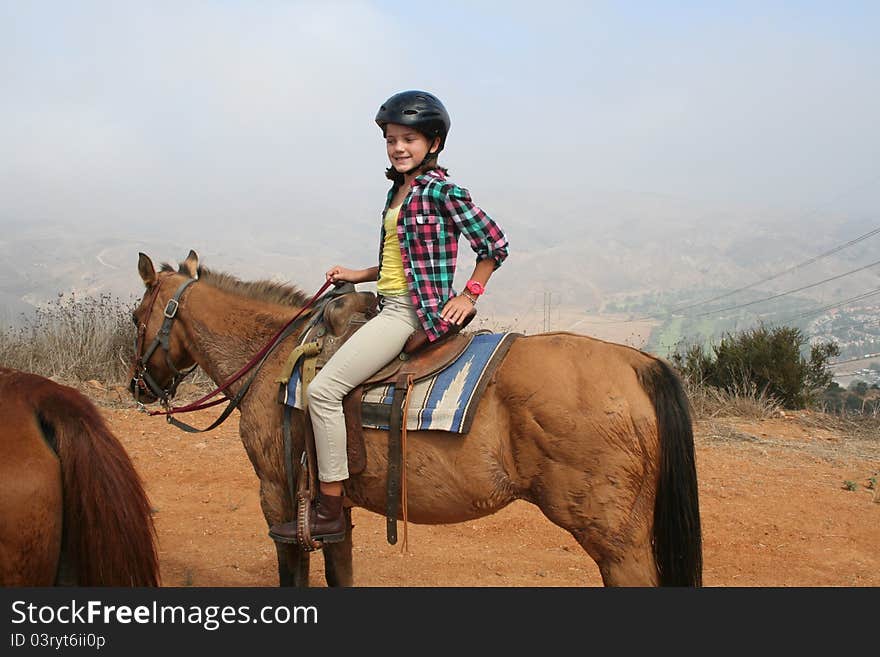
x=235, y=401
x=309, y=370
x=289, y=465
x=163, y=339
x=354, y=431
x=409, y=386
x=306, y=487
x=392, y=502
x=231, y=406
x=307, y=349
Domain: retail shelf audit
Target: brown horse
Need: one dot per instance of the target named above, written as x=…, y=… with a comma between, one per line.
x=597, y=435
x=72, y=509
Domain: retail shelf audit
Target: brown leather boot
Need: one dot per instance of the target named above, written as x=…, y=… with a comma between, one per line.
x=327, y=522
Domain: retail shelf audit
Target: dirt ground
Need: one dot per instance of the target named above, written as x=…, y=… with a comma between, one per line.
x=775, y=507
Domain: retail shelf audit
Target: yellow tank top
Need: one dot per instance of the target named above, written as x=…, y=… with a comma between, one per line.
x=392, y=280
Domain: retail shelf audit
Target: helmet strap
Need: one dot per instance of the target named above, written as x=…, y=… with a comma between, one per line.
x=427, y=157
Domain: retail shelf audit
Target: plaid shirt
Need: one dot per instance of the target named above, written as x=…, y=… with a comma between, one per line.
x=432, y=217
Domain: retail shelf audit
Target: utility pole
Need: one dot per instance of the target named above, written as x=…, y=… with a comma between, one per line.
x=548, y=302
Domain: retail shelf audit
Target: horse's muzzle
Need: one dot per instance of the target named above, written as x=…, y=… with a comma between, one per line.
x=141, y=391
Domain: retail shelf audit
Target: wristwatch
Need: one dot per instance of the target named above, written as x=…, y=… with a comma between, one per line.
x=475, y=287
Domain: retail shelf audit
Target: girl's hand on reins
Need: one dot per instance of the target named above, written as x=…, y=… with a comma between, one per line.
x=339, y=275
x=456, y=309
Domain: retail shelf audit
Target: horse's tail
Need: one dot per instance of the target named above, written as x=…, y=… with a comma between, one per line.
x=677, y=539
x=108, y=537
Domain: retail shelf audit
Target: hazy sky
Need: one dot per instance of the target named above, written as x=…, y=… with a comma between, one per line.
x=262, y=111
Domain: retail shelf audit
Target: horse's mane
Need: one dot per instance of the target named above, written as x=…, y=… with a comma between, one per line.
x=264, y=290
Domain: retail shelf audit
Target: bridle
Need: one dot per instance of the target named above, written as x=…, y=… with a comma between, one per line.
x=141, y=379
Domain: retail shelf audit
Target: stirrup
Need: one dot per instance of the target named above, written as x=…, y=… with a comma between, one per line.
x=304, y=537
x=319, y=539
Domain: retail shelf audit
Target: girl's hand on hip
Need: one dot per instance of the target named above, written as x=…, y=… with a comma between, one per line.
x=456, y=309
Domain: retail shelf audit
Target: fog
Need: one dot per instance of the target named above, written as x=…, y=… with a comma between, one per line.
x=187, y=117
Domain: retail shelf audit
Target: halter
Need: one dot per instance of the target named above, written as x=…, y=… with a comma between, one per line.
x=141, y=378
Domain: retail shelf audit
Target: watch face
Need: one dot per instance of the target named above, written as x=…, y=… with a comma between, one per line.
x=475, y=287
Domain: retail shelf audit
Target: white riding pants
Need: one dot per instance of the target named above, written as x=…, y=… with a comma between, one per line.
x=369, y=349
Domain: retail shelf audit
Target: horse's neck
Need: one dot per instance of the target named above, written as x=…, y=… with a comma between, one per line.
x=226, y=330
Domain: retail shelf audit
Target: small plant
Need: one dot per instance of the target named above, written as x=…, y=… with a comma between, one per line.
x=850, y=485
x=872, y=483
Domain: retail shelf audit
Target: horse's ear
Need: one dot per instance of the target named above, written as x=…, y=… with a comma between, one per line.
x=190, y=266
x=146, y=270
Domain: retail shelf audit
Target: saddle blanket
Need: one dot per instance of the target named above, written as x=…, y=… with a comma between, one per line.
x=445, y=401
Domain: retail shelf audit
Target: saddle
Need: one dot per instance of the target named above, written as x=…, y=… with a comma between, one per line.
x=344, y=312
x=343, y=315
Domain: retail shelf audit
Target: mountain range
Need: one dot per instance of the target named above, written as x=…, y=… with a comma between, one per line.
x=568, y=258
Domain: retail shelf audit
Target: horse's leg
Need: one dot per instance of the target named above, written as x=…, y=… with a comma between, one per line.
x=293, y=565
x=628, y=562
x=633, y=566
x=611, y=526
x=585, y=444
x=337, y=558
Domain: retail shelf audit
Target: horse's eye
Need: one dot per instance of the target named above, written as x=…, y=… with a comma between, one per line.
x=134, y=320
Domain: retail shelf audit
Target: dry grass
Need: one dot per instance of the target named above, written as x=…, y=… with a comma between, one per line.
x=708, y=403
x=744, y=401
x=72, y=338
x=865, y=426
x=81, y=342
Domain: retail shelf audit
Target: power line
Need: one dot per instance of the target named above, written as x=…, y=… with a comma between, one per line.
x=800, y=265
x=810, y=261
x=764, y=280
x=786, y=293
x=837, y=304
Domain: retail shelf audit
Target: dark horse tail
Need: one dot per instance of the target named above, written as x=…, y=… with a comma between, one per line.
x=677, y=539
x=108, y=533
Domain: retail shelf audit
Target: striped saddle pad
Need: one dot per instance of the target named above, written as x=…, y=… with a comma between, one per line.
x=445, y=401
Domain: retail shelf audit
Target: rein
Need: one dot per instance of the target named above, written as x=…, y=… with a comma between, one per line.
x=162, y=339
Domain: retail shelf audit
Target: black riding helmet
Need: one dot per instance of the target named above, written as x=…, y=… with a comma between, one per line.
x=419, y=109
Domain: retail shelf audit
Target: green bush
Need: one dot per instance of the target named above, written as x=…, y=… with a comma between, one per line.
x=767, y=360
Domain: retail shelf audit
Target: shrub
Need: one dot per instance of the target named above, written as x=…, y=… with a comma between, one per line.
x=856, y=400
x=768, y=361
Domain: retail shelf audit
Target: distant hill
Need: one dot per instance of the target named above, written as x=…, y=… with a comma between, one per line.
x=587, y=252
